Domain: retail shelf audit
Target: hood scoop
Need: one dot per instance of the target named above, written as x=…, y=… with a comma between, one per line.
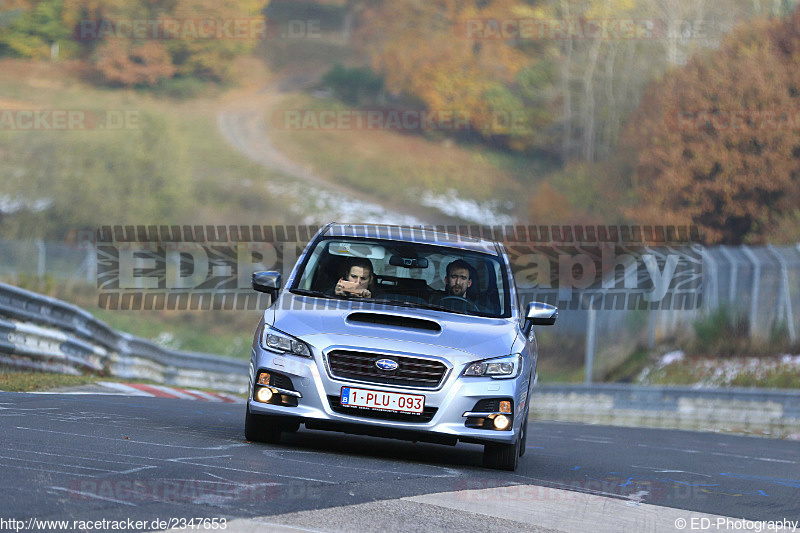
x=404, y=322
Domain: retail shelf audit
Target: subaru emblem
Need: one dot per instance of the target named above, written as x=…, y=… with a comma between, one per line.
x=386, y=364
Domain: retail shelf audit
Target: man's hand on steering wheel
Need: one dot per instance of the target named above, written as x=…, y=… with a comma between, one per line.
x=468, y=304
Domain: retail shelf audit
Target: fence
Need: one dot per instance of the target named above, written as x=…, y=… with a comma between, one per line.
x=758, y=286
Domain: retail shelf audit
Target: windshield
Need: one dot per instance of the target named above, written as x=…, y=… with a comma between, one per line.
x=406, y=274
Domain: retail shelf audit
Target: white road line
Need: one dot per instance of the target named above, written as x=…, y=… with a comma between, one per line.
x=668, y=471
x=592, y=440
x=281, y=456
x=132, y=441
x=103, y=470
x=51, y=471
x=259, y=472
x=721, y=454
x=78, y=393
x=29, y=409
x=90, y=495
x=96, y=460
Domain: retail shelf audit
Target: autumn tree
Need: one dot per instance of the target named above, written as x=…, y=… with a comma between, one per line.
x=206, y=35
x=424, y=50
x=717, y=141
x=32, y=29
x=212, y=58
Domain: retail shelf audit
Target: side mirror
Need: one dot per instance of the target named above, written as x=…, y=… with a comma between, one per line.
x=539, y=314
x=269, y=282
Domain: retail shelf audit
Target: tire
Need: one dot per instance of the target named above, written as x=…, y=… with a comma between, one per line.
x=502, y=456
x=524, y=428
x=261, y=428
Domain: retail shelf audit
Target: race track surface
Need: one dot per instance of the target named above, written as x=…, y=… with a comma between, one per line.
x=95, y=457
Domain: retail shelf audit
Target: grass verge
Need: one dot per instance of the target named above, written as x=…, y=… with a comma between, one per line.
x=398, y=167
x=166, y=163
x=12, y=381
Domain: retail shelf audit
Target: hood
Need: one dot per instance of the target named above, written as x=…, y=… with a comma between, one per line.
x=350, y=323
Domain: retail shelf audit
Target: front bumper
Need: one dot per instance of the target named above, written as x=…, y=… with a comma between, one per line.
x=444, y=421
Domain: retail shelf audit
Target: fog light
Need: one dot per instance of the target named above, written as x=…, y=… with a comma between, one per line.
x=501, y=422
x=505, y=407
x=263, y=378
x=264, y=395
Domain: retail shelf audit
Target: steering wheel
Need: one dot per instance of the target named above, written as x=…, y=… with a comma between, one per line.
x=459, y=302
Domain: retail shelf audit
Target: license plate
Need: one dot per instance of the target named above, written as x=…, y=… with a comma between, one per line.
x=384, y=401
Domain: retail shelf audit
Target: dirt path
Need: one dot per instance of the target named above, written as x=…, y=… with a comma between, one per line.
x=242, y=122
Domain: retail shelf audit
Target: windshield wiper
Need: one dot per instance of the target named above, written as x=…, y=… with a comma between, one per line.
x=307, y=292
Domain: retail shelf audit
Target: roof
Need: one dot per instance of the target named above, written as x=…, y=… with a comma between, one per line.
x=416, y=234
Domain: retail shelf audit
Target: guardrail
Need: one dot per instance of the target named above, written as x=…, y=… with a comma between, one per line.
x=774, y=413
x=42, y=333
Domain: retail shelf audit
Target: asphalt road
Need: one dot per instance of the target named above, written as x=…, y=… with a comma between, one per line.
x=90, y=457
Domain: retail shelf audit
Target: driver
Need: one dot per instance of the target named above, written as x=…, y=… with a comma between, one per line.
x=456, y=282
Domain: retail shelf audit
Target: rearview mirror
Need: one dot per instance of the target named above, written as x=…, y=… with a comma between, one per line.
x=408, y=262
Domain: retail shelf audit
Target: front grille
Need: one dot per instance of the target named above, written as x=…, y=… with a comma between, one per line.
x=410, y=372
x=425, y=416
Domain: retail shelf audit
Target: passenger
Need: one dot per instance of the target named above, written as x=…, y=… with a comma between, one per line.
x=358, y=281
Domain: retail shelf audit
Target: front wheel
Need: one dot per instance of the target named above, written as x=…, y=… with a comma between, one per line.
x=502, y=456
x=261, y=428
x=524, y=428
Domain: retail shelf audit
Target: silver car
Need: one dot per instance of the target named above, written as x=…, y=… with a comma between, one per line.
x=397, y=332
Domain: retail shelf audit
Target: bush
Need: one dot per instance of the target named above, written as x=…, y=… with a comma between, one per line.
x=181, y=88
x=720, y=333
x=354, y=86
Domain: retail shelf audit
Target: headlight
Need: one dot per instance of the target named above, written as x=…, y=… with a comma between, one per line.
x=501, y=367
x=277, y=341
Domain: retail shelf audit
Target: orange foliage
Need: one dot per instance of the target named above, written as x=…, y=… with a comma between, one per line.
x=122, y=62
x=124, y=59
x=421, y=48
x=718, y=141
